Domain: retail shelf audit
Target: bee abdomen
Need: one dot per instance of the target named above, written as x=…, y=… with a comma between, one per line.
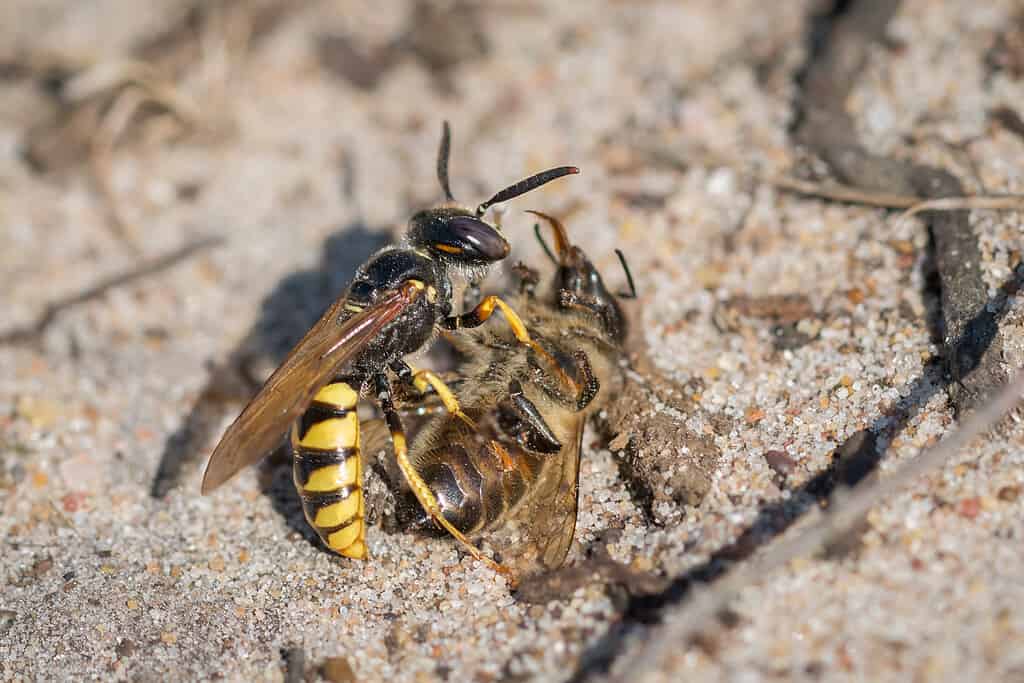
x=327, y=469
x=473, y=490
x=458, y=485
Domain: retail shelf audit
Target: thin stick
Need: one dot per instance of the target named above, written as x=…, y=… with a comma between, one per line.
x=836, y=191
x=845, y=193
x=32, y=332
x=113, y=124
x=697, y=616
x=993, y=203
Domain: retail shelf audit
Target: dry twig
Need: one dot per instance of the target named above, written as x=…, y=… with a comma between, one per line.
x=839, y=192
x=979, y=202
x=31, y=333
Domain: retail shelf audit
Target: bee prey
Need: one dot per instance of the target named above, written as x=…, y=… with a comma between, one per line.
x=508, y=475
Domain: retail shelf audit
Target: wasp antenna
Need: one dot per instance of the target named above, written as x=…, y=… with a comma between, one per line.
x=629, y=276
x=543, y=243
x=442, y=160
x=526, y=185
x=562, y=243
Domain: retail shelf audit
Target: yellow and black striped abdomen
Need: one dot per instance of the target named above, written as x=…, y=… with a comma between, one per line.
x=327, y=469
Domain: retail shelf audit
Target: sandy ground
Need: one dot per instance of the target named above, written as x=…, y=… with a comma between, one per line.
x=303, y=137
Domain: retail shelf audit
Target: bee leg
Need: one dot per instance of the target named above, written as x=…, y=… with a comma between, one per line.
x=419, y=487
x=483, y=311
x=528, y=424
x=528, y=278
x=586, y=304
x=587, y=382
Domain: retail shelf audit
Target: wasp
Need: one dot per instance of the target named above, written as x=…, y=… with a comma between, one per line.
x=397, y=302
x=512, y=479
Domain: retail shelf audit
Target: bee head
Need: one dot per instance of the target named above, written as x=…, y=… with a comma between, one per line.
x=577, y=284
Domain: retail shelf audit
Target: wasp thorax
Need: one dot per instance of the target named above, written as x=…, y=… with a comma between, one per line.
x=458, y=235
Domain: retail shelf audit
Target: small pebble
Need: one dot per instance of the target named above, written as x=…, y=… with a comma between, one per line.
x=126, y=648
x=780, y=462
x=969, y=507
x=337, y=670
x=73, y=502
x=753, y=415
x=41, y=567
x=1009, y=494
x=41, y=413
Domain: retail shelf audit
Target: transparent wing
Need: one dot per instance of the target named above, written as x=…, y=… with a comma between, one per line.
x=547, y=518
x=311, y=364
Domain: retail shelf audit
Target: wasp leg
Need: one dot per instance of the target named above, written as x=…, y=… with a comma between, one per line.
x=425, y=381
x=483, y=311
x=419, y=487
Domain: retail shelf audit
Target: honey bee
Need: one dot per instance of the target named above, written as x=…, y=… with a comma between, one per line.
x=398, y=301
x=512, y=479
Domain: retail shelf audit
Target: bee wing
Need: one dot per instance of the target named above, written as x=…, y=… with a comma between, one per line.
x=537, y=536
x=310, y=365
x=374, y=437
x=554, y=531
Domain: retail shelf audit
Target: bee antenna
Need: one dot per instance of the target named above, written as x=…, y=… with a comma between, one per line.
x=526, y=185
x=442, y=160
x=543, y=243
x=631, y=294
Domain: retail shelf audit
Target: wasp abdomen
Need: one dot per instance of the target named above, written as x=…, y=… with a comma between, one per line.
x=327, y=469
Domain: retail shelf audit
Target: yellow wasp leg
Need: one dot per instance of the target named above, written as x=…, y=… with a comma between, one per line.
x=480, y=314
x=419, y=487
x=424, y=379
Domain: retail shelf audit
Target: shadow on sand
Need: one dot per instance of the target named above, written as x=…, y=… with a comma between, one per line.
x=286, y=314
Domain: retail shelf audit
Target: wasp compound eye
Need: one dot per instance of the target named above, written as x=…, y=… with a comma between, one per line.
x=466, y=238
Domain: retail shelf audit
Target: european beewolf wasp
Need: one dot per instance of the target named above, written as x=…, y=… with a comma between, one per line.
x=399, y=299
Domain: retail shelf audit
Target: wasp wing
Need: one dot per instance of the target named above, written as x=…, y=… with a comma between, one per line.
x=313, y=362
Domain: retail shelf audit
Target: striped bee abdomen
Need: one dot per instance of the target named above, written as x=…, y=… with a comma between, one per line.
x=474, y=490
x=327, y=469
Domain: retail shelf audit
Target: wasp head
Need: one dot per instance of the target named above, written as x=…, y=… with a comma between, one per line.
x=461, y=237
x=458, y=236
